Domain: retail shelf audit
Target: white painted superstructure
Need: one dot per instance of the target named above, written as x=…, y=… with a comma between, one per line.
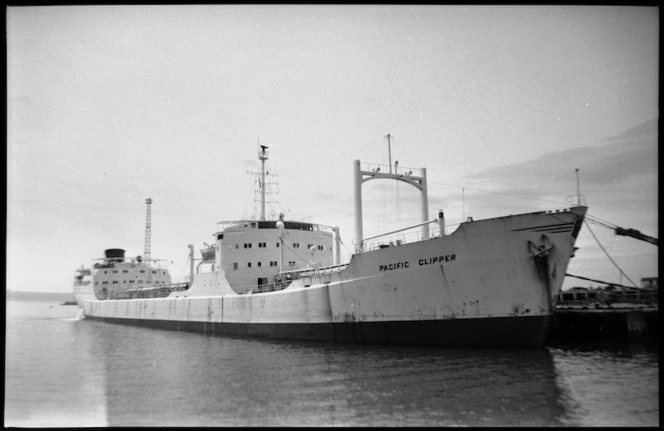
x=118, y=277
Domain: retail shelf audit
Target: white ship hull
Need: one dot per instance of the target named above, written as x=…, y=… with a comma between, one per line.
x=491, y=282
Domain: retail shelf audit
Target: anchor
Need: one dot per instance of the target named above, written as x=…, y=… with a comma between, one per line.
x=540, y=255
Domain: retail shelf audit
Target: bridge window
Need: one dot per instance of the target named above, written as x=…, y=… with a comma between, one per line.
x=248, y=264
x=259, y=264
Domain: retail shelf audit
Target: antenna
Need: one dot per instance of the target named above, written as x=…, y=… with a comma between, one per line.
x=148, y=229
x=262, y=183
x=578, y=188
x=262, y=156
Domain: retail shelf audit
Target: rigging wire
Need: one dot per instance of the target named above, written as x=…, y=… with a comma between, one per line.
x=295, y=253
x=397, y=201
x=598, y=281
x=599, y=222
x=613, y=226
x=383, y=197
x=496, y=193
x=184, y=276
x=607, y=255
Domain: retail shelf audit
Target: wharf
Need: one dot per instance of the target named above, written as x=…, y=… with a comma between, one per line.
x=602, y=322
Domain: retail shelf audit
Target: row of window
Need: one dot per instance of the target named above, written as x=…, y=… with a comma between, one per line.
x=126, y=271
x=295, y=245
x=260, y=245
x=130, y=282
x=319, y=247
x=258, y=264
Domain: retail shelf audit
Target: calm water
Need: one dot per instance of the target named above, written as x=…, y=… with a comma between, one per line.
x=65, y=372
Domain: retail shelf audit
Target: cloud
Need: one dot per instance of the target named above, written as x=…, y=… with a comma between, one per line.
x=642, y=131
x=619, y=181
x=620, y=166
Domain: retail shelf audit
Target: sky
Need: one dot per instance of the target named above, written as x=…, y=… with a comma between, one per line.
x=110, y=105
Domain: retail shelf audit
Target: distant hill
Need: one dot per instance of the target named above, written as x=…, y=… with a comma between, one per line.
x=17, y=295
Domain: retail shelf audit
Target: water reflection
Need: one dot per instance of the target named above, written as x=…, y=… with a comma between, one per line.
x=64, y=372
x=171, y=378
x=50, y=379
x=609, y=384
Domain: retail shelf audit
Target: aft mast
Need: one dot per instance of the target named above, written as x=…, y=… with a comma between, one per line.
x=263, y=178
x=262, y=156
x=148, y=230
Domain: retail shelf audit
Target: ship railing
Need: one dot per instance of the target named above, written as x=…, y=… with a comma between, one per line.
x=403, y=236
x=396, y=169
x=270, y=287
x=112, y=261
x=155, y=291
x=252, y=224
x=285, y=278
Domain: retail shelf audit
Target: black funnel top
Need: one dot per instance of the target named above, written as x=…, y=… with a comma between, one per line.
x=114, y=252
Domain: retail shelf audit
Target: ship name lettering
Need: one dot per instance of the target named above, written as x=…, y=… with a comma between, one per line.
x=437, y=259
x=393, y=266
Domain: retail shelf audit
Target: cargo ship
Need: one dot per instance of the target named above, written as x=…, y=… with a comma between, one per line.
x=490, y=282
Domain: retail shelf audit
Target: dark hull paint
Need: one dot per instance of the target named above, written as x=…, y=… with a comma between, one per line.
x=486, y=332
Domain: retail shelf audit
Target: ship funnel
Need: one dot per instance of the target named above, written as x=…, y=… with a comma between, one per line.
x=114, y=254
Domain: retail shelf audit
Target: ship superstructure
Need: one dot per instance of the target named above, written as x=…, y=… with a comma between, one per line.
x=116, y=276
x=490, y=282
x=253, y=253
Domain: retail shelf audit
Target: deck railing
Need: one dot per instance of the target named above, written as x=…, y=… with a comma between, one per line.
x=287, y=277
x=155, y=291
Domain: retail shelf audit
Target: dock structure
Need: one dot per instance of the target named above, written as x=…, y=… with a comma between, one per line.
x=604, y=324
x=605, y=315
